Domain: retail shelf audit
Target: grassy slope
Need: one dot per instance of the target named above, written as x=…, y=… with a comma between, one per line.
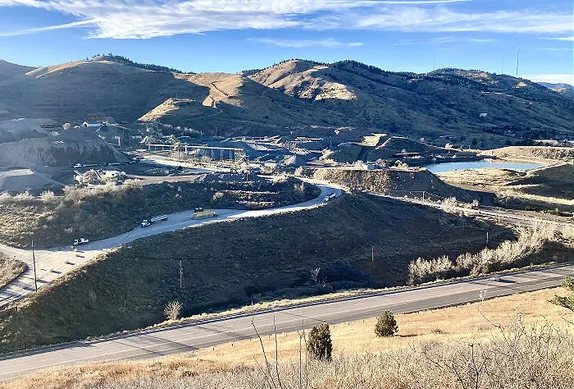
x=463, y=323
x=96, y=214
x=232, y=263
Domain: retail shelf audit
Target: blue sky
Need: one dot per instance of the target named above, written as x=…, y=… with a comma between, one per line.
x=233, y=35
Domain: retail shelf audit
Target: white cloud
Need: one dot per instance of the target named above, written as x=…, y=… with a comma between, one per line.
x=133, y=19
x=480, y=40
x=328, y=42
x=564, y=38
x=80, y=23
x=444, y=40
x=444, y=20
x=555, y=48
x=552, y=78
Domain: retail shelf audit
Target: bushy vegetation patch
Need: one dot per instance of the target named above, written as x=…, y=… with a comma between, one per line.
x=524, y=250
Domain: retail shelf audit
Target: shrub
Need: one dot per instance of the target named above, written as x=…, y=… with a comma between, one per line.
x=567, y=301
x=319, y=344
x=172, y=310
x=386, y=324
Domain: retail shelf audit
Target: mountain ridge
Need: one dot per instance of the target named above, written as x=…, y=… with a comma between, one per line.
x=294, y=95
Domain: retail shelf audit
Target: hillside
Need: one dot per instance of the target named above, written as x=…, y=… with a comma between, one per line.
x=9, y=70
x=293, y=95
x=444, y=101
x=564, y=89
x=545, y=188
x=130, y=288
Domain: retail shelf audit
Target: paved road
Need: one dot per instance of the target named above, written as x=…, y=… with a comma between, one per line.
x=56, y=262
x=194, y=336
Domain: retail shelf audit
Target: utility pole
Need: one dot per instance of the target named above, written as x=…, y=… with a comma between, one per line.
x=486, y=237
x=517, y=60
x=34, y=265
x=373, y=263
x=180, y=274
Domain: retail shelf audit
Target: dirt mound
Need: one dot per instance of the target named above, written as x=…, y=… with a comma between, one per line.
x=26, y=180
x=64, y=150
x=396, y=145
x=13, y=130
x=394, y=182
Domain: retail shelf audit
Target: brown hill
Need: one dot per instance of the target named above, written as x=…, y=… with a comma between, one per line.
x=9, y=70
x=441, y=102
x=292, y=96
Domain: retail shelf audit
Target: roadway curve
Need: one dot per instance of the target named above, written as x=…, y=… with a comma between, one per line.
x=185, y=338
x=55, y=262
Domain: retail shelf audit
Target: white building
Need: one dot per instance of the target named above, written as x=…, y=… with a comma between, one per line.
x=91, y=124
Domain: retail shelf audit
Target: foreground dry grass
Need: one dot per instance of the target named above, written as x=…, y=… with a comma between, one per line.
x=438, y=335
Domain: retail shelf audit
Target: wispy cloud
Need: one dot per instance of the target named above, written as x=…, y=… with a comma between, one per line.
x=131, y=19
x=552, y=78
x=555, y=48
x=328, y=42
x=444, y=40
x=81, y=23
x=564, y=38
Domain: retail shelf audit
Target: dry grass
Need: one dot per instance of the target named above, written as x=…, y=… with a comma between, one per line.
x=471, y=321
x=443, y=333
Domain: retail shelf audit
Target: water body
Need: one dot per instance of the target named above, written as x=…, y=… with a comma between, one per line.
x=452, y=166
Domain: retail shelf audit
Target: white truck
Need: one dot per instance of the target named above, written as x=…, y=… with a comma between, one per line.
x=81, y=241
x=148, y=222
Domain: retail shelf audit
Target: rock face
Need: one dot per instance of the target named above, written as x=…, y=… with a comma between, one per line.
x=292, y=96
x=64, y=150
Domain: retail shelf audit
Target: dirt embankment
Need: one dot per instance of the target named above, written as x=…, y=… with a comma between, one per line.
x=237, y=262
x=394, y=182
x=533, y=153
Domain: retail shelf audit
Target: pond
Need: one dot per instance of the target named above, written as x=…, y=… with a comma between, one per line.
x=452, y=166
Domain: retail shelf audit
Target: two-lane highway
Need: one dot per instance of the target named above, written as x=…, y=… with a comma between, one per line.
x=190, y=337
